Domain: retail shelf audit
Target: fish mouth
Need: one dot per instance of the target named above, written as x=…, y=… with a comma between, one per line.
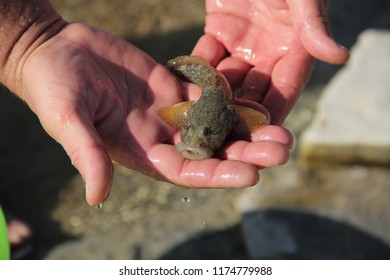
x=194, y=153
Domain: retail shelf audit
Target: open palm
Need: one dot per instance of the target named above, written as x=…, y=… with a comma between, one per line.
x=98, y=96
x=267, y=48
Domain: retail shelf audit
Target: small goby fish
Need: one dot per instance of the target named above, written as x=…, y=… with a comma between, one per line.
x=205, y=124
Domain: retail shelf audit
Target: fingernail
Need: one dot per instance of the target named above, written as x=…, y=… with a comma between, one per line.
x=341, y=46
x=108, y=191
x=86, y=192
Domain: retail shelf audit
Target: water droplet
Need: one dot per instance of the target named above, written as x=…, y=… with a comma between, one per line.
x=246, y=53
x=202, y=225
x=219, y=4
x=99, y=206
x=185, y=199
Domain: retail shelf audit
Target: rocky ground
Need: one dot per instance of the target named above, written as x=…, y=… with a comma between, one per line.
x=295, y=212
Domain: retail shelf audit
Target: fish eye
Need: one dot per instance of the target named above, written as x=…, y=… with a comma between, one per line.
x=206, y=131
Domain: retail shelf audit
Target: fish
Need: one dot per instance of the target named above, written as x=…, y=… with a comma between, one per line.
x=205, y=124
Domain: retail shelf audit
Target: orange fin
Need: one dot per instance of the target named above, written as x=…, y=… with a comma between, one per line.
x=250, y=120
x=175, y=115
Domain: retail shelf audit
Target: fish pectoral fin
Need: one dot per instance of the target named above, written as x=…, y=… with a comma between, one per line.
x=175, y=115
x=250, y=120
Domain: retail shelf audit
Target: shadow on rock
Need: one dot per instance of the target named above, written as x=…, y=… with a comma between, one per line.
x=220, y=245
x=283, y=234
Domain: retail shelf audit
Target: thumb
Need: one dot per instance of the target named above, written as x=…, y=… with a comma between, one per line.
x=309, y=19
x=86, y=150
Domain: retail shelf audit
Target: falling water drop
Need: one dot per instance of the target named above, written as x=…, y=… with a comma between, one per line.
x=185, y=199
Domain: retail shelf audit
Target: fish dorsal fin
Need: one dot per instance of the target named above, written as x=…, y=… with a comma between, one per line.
x=175, y=115
x=250, y=120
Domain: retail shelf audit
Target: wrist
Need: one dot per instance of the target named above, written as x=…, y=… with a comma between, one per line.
x=24, y=25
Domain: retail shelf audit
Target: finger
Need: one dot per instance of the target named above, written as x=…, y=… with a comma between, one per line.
x=234, y=70
x=289, y=77
x=209, y=173
x=86, y=151
x=210, y=49
x=312, y=26
x=269, y=146
x=256, y=83
x=274, y=133
x=261, y=153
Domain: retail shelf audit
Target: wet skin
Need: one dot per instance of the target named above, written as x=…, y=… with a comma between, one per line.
x=205, y=124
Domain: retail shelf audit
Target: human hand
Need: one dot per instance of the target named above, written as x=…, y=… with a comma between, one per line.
x=98, y=96
x=268, y=47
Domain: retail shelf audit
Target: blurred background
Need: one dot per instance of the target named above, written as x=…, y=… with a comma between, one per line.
x=297, y=211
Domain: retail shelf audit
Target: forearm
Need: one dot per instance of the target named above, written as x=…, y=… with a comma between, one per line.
x=24, y=25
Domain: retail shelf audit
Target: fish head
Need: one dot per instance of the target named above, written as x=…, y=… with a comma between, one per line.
x=204, y=132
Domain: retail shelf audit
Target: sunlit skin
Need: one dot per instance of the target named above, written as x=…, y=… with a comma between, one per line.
x=100, y=99
x=268, y=47
x=98, y=95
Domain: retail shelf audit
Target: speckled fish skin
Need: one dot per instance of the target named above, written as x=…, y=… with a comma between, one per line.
x=212, y=117
x=205, y=124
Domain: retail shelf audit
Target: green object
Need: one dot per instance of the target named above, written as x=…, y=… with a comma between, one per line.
x=4, y=244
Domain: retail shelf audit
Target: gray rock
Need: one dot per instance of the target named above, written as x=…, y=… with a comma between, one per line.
x=352, y=122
